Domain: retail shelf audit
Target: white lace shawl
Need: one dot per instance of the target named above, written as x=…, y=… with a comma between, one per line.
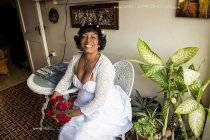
x=103, y=74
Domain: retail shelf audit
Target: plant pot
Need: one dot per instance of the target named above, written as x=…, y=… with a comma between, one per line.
x=141, y=137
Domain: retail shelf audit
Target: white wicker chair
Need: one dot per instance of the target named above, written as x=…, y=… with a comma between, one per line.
x=124, y=77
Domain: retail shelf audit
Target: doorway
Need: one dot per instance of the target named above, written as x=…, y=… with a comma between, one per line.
x=13, y=46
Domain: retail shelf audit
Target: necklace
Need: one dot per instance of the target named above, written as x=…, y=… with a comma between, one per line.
x=88, y=64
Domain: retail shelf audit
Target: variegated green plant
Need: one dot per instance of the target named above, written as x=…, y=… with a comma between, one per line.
x=175, y=81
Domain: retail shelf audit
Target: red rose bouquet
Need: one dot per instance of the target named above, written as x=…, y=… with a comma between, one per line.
x=61, y=109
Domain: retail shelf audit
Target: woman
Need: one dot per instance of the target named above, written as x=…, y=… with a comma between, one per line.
x=102, y=109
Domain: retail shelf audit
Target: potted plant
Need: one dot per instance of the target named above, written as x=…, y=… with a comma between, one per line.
x=176, y=81
x=148, y=125
x=142, y=104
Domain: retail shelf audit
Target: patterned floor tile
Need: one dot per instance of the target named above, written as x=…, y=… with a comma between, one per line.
x=20, y=114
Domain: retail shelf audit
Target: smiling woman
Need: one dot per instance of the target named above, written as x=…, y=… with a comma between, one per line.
x=95, y=29
x=100, y=103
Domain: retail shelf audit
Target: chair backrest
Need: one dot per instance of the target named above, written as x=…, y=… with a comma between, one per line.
x=124, y=76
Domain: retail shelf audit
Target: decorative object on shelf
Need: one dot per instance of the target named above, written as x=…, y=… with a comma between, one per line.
x=105, y=15
x=53, y=15
x=192, y=8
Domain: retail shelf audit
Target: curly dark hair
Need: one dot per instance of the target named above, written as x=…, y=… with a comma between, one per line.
x=88, y=27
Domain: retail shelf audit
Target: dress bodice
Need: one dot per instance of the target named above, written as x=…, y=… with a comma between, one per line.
x=86, y=92
x=89, y=86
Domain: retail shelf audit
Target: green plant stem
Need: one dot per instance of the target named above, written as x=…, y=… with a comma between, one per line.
x=165, y=117
x=181, y=124
x=165, y=124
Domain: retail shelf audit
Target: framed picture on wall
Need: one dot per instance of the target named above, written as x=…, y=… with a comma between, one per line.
x=193, y=8
x=105, y=15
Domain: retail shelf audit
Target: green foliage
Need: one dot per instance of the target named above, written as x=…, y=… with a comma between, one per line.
x=187, y=106
x=141, y=104
x=183, y=55
x=148, y=55
x=175, y=81
x=196, y=120
x=148, y=124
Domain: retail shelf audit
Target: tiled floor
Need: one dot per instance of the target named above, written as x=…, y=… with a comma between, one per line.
x=20, y=114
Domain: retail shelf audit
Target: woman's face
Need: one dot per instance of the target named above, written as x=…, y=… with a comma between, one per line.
x=89, y=42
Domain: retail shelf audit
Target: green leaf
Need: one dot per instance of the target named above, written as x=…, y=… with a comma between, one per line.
x=169, y=62
x=165, y=108
x=203, y=87
x=190, y=76
x=196, y=120
x=147, y=54
x=201, y=64
x=165, y=112
x=153, y=70
x=183, y=55
x=187, y=106
x=158, y=77
x=145, y=67
x=180, y=71
x=192, y=67
x=194, y=88
x=179, y=80
x=136, y=61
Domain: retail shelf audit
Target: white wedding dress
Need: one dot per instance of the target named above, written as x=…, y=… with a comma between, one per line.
x=109, y=121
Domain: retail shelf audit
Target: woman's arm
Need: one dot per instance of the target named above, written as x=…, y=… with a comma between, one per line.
x=65, y=81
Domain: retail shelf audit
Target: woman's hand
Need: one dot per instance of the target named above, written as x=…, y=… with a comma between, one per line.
x=77, y=112
x=55, y=94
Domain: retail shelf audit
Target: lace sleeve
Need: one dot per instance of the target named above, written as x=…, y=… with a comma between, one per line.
x=66, y=80
x=105, y=82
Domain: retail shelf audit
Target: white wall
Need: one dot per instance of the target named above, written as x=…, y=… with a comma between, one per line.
x=153, y=21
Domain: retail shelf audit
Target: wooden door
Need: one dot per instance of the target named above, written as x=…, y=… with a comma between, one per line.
x=33, y=32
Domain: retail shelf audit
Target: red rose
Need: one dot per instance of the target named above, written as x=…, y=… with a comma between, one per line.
x=69, y=102
x=59, y=98
x=52, y=101
x=67, y=118
x=51, y=112
x=61, y=117
x=71, y=107
x=62, y=106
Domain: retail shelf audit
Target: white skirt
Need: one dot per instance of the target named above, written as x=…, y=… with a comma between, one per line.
x=111, y=120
